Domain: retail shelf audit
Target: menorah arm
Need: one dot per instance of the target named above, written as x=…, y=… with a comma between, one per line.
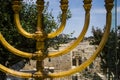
x=15, y=73
x=14, y=50
x=77, y=41
x=92, y=58
x=19, y=27
x=61, y=28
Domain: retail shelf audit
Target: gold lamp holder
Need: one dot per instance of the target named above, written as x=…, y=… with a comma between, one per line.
x=40, y=37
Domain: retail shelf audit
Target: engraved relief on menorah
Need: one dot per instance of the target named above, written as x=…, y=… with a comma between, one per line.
x=40, y=36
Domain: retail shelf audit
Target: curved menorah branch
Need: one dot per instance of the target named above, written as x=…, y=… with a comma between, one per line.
x=20, y=28
x=76, y=42
x=14, y=50
x=92, y=58
x=87, y=6
x=16, y=8
x=64, y=7
x=61, y=28
x=15, y=73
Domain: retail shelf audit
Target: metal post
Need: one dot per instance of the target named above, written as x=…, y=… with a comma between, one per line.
x=40, y=37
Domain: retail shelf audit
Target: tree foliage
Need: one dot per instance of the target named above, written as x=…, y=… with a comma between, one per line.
x=110, y=55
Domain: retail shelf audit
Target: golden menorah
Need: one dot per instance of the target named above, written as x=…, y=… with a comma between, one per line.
x=40, y=36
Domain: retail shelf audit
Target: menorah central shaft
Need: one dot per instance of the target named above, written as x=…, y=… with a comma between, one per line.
x=40, y=41
x=41, y=36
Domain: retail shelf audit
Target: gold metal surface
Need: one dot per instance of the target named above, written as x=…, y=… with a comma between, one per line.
x=15, y=73
x=16, y=8
x=19, y=27
x=81, y=36
x=64, y=7
x=40, y=37
x=40, y=42
x=14, y=50
x=92, y=58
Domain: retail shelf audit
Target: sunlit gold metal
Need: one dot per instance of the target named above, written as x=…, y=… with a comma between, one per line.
x=40, y=37
x=16, y=8
x=15, y=73
x=81, y=36
x=95, y=54
x=64, y=8
x=14, y=50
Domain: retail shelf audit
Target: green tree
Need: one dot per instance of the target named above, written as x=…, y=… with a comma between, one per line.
x=110, y=53
x=28, y=21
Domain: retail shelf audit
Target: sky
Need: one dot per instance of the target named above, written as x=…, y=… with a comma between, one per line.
x=76, y=22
